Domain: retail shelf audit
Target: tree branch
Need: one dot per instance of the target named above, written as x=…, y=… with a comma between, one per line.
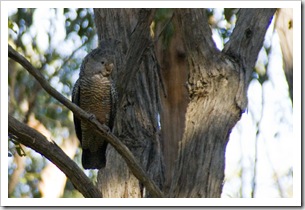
x=248, y=36
x=244, y=45
x=38, y=142
x=103, y=130
x=196, y=31
x=137, y=96
x=139, y=41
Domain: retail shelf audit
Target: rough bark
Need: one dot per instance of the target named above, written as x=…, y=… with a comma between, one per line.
x=103, y=130
x=173, y=92
x=136, y=82
x=212, y=83
x=202, y=91
x=211, y=95
x=217, y=86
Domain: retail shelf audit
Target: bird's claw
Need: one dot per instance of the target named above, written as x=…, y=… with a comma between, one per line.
x=92, y=117
x=107, y=129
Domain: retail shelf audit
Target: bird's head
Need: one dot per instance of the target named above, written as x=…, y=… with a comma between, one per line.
x=97, y=62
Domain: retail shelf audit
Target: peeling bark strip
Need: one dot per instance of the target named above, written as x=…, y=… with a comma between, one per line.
x=203, y=96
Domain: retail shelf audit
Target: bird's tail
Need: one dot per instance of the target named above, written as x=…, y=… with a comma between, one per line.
x=94, y=160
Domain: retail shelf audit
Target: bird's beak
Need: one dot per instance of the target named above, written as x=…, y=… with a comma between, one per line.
x=109, y=67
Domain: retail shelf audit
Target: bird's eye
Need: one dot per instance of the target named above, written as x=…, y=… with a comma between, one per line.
x=103, y=62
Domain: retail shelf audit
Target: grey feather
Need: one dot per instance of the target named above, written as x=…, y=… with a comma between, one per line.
x=75, y=99
x=94, y=92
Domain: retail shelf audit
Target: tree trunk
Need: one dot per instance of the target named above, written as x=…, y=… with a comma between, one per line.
x=136, y=81
x=198, y=92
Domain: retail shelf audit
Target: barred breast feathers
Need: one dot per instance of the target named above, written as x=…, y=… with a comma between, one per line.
x=97, y=91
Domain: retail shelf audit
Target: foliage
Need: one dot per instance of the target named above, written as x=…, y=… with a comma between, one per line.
x=55, y=44
x=163, y=19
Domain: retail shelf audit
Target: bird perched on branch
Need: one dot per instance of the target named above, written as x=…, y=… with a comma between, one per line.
x=94, y=92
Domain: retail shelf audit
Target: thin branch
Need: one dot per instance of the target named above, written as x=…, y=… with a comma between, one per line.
x=101, y=129
x=38, y=142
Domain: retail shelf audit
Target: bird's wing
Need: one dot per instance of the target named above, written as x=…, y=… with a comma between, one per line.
x=75, y=100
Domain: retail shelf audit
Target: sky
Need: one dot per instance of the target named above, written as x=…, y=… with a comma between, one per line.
x=267, y=157
x=269, y=108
